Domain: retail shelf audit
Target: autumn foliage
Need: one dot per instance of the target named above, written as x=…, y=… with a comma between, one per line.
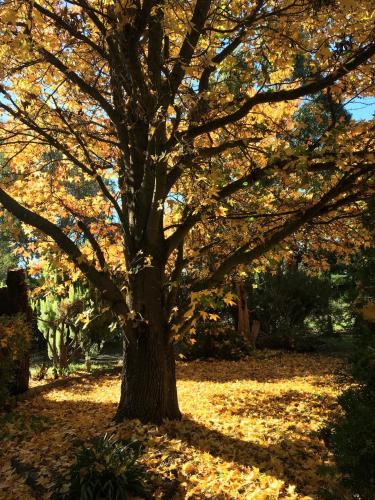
x=157, y=146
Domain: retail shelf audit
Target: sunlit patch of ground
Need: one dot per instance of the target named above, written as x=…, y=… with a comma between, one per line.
x=249, y=431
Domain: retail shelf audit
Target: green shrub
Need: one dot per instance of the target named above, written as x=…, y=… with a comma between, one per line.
x=218, y=341
x=351, y=436
x=106, y=469
x=285, y=301
x=363, y=357
x=75, y=325
x=352, y=440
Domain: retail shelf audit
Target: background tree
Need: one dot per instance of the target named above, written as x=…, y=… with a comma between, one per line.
x=71, y=317
x=15, y=334
x=178, y=112
x=284, y=299
x=7, y=259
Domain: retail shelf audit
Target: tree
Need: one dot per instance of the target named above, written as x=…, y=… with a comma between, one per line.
x=7, y=257
x=284, y=299
x=180, y=113
x=71, y=318
x=15, y=332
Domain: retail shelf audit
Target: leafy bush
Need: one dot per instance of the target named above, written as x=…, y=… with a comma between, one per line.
x=284, y=301
x=106, y=469
x=363, y=357
x=352, y=440
x=217, y=340
x=351, y=436
x=14, y=342
x=74, y=325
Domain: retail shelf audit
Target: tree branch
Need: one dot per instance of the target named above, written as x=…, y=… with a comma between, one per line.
x=100, y=279
x=88, y=89
x=246, y=255
x=59, y=146
x=61, y=23
x=189, y=44
x=94, y=244
x=282, y=95
x=229, y=48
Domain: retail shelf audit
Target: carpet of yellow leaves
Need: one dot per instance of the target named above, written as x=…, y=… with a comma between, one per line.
x=249, y=431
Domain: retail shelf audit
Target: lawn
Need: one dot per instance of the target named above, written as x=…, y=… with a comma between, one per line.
x=249, y=431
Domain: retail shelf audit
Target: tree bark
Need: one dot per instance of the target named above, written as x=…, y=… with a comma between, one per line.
x=21, y=376
x=247, y=328
x=14, y=300
x=243, y=325
x=255, y=329
x=148, y=390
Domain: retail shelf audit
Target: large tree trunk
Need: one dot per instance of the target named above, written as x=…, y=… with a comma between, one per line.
x=148, y=390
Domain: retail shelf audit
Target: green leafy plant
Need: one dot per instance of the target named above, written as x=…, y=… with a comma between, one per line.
x=284, y=301
x=75, y=325
x=352, y=440
x=107, y=468
x=351, y=436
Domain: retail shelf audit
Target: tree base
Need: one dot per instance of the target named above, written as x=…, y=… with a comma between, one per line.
x=148, y=389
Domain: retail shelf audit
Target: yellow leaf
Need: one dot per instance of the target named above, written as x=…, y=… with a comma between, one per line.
x=221, y=211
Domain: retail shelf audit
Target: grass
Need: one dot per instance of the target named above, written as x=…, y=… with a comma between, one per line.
x=72, y=368
x=76, y=368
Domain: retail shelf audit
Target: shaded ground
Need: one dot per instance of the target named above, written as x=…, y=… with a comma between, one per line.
x=249, y=431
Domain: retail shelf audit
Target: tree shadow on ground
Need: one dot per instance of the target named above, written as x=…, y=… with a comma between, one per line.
x=288, y=459
x=294, y=406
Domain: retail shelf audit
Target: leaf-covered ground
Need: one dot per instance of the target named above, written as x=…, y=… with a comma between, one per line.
x=249, y=431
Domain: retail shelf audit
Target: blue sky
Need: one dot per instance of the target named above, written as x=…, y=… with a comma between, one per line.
x=362, y=108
